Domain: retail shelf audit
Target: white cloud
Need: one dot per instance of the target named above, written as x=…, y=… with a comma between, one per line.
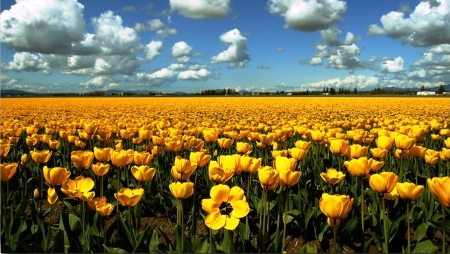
x=263, y=66
x=24, y=61
x=441, y=49
x=279, y=49
x=164, y=73
x=345, y=58
x=47, y=26
x=99, y=83
x=308, y=15
x=235, y=54
x=176, y=66
x=184, y=59
x=315, y=61
x=180, y=49
x=200, y=9
x=426, y=26
x=375, y=30
x=155, y=25
x=350, y=38
x=153, y=49
x=201, y=74
x=393, y=66
x=436, y=64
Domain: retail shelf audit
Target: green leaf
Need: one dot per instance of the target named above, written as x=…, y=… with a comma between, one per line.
x=308, y=249
x=201, y=244
x=352, y=226
x=182, y=244
x=154, y=242
x=58, y=246
x=421, y=231
x=74, y=222
x=227, y=245
x=425, y=247
x=143, y=237
x=114, y=250
x=128, y=233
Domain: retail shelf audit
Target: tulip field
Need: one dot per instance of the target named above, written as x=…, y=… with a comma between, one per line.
x=225, y=174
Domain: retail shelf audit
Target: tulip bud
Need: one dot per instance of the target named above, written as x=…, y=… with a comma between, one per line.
x=36, y=193
x=24, y=159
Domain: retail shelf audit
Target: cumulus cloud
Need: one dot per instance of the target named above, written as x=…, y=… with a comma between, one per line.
x=24, y=61
x=129, y=8
x=426, y=26
x=99, y=83
x=434, y=64
x=393, y=66
x=201, y=74
x=29, y=24
x=375, y=30
x=331, y=37
x=235, y=54
x=153, y=49
x=181, y=49
x=155, y=25
x=345, y=58
x=200, y=9
x=309, y=16
x=315, y=61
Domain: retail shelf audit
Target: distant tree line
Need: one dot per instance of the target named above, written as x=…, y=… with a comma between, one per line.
x=332, y=91
x=219, y=92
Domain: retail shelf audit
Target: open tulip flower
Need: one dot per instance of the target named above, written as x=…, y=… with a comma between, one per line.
x=7, y=171
x=332, y=176
x=384, y=182
x=129, y=197
x=284, y=163
x=358, y=167
x=225, y=207
x=182, y=168
x=143, y=173
x=218, y=174
x=378, y=153
x=288, y=177
x=409, y=191
x=384, y=142
x=102, y=154
x=243, y=148
x=82, y=159
x=41, y=157
x=182, y=190
x=55, y=176
x=96, y=201
x=199, y=158
x=142, y=158
x=403, y=142
x=358, y=151
x=100, y=169
x=268, y=177
x=340, y=147
x=79, y=188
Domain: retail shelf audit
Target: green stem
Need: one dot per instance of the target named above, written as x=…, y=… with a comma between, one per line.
x=82, y=226
x=248, y=200
x=262, y=220
x=362, y=214
x=101, y=186
x=104, y=233
x=444, y=235
x=417, y=169
x=182, y=225
x=286, y=203
x=334, y=236
x=428, y=171
x=407, y=221
x=194, y=207
x=41, y=187
x=401, y=167
x=386, y=248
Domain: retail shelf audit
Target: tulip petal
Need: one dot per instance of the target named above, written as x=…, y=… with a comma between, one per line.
x=231, y=223
x=236, y=193
x=240, y=209
x=219, y=193
x=215, y=220
x=209, y=205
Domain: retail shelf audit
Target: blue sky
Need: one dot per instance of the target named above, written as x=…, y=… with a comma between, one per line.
x=256, y=45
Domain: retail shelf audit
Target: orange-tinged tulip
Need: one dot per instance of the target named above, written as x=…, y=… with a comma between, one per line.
x=447, y=143
x=384, y=142
x=182, y=168
x=199, y=158
x=102, y=154
x=173, y=146
x=335, y=207
x=143, y=173
x=55, y=176
x=409, y=191
x=79, y=188
x=100, y=169
x=90, y=129
x=340, y=147
x=122, y=158
x=157, y=150
x=403, y=142
x=375, y=166
x=332, y=176
x=24, y=158
x=41, y=157
x=53, y=144
x=284, y=163
x=440, y=188
x=358, y=167
x=435, y=137
x=318, y=136
x=104, y=209
x=182, y=190
x=444, y=154
x=378, y=153
x=254, y=166
x=30, y=141
x=145, y=134
x=158, y=141
x=52, y=196
x=384, y=182
x=7, y=171
x=225, y=207
x=393, y=195
x=282, y=153
x=243, y=148
x=4, y=149
x=96, y=201
x=358, y=151
x=82, y=159
x=418, y=151
x=64, y=134
x=142, y=158
x=129, y=197
x=288, y=177
x=268, y=177
x=245, y=162
x=225, y=143
x=72, y=139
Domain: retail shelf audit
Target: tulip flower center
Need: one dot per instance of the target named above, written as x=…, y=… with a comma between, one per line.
x=225, y=208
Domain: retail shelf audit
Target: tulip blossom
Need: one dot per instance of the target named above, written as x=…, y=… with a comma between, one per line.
x=332, y=176
x=182, y=190
x=129, y=197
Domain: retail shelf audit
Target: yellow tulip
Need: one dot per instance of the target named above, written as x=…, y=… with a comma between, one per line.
x=403, y=142
x=82, y=159
x=318, y=136
x=409, y=191
x=142, y=158
x=4, y=149
x=358, y=167
x=288, y=177
x=129, y=197
x=418, y=151
x=447, y=143
x=340, y=147
x=268, y=177
x=41, y=157
x=52, y=196
x=440, y=188
x=55, y=176
x=100, y=169
x=298, y=153
x=332, y=176
x=431, y=157
x=282, y=153
x=335, y=207
x=121, y=158
x=199, y=158
x=444, y=154
x=225, y=143
x=182, y=168
x=225, y=207
x=435, y=137
x=302, y=144
x=104, y=209
x=393, y=195
x=358, y=151
x=375, y=166
x=243, y=148
x=384, y=142
x=24, y=158
x=90, y=129
x=79, y=188
x=403, y=154
x=384, y=182
x=210, y=135
x=378, y=153
x=7, y=171
x=143, y=173
x=182, y=190
x=102, y=154
x=284, y=163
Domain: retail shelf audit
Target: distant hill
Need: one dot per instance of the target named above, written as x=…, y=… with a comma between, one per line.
x=17, y=93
